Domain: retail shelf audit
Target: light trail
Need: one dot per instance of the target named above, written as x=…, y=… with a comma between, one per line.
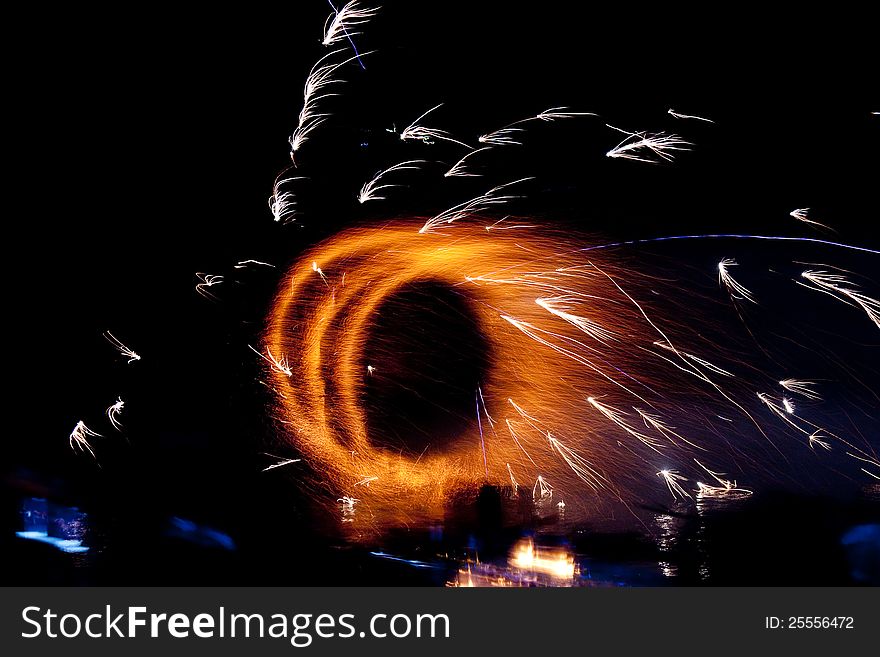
x=121, y=348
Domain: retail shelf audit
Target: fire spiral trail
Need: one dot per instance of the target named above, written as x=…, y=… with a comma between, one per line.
x=597, y=387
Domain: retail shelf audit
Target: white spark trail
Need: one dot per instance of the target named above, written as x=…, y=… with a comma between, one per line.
x=618, y=417
x=281, y=364
x=416, y=132
x=79, y=438
x=458, y=169
x=495, y=226
x=802, y=215
x=485, y=410
x=515, y=436
x=650, y=147
x=542, y=490
x=584, y=470
x=319, y=272
x=243, y=264
x=113, y=413
x=678, y=353
x=282, y=204
x=348, y=504
x=801, y=387
x=815, y=438
x=474, y=206
x=725, y=488
x=534, y=333
x=121, y=348
x=562, y=306
x=370, y=189
x=319, y=78
x=837, y=286
x=502, y=137
x=736, y=290
x=282, y=461
x=207, y=281
x=671, y=477
x=678, y=115
x=779, y=409
x=700, y=361
x=505, y=136
x=513, y=481
x=344, y=22
x=664, y=429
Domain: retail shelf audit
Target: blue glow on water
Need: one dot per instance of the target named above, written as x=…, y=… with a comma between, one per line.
x=862, y=534
x=207, y=536
x=69, y=545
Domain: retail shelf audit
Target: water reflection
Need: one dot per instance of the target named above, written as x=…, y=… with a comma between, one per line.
x=59, y=526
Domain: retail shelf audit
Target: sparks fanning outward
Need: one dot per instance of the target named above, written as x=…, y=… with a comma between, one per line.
x=837, y=286
x=458, y=169
x=474, y=206
x=370, y=190
x=79, y=438
x=341, y=25
x=207, y=281
x=736, y=290
x=672, y=479
x=282, y=203
x=113, y=413
x=507, y=135
x=416, y=132
x=280, y=365
x=594, y=380
x=569, y=341
x=315, y=90
x=596, y=388
x=121, y=348
x=803, y=388
x=647, y=147
x=802, y=215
